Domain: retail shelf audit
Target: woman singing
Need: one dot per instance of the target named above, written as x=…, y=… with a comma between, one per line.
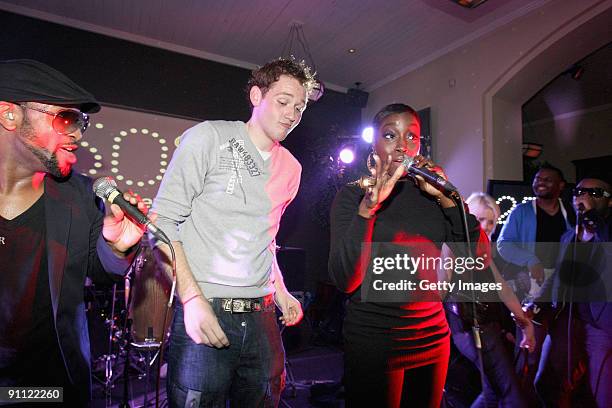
x=396, y=354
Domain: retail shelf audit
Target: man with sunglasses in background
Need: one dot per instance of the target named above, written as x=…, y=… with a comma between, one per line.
x=53, y=232
x=580, y=290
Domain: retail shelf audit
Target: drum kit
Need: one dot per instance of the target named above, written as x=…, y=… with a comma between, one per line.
x=127, y=324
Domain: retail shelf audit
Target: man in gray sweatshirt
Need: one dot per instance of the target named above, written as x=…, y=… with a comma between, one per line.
x=220, y=203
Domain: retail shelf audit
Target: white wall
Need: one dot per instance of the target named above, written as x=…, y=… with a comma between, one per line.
x=475, y=93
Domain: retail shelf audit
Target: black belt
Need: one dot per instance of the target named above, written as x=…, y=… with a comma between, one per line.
x=241, y=305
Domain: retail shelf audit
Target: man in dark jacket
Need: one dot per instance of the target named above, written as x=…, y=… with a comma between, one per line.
x=580, y=332
x=53, y=232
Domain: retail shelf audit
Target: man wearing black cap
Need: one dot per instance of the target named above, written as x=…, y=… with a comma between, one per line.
x=53, y=232
x=580, y=320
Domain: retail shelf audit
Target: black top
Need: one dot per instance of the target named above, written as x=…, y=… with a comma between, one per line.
x=408, y=215
x=26, y=313
x=74, y=249
x=550, y=228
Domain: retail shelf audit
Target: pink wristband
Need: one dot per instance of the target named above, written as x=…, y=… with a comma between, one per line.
x=190, y=299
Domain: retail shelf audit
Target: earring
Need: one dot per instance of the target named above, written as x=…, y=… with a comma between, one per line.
x=11, y=116
x=368, y=182
x=371, y=163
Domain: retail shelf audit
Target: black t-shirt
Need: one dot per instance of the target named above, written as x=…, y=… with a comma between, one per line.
x=29, y=350
x=549, y=231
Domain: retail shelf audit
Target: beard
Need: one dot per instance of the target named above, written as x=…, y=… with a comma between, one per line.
x=45, y=157
x=545, y=194
x=48, y=160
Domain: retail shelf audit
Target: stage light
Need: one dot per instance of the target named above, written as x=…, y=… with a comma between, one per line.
x=368, y=134
x=347, y=155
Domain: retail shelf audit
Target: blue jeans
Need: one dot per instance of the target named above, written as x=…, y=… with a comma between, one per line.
x=248, y=373
x=501, y=386
x=591, y=345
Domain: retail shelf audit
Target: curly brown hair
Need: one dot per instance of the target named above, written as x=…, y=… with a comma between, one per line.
x=265, y=76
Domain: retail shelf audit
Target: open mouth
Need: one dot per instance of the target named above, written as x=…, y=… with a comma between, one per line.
x=69, y=148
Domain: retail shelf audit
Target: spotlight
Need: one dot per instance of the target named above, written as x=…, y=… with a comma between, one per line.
x=347, y=155
x=368, y=134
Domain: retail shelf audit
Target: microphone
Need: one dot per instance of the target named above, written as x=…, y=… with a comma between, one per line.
x=429, y=176
x=106, y=189
x=589, y=219
x=579, y=218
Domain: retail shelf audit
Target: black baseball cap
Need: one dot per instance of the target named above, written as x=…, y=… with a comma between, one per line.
x=24, y=80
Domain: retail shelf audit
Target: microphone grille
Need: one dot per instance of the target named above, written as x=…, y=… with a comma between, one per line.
x=407, y=162
x=104, y=186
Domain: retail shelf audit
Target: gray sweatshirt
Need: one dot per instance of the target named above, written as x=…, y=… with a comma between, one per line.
x=224, y=203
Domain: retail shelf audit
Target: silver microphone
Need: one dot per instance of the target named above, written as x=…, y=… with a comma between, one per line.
x=106, y=189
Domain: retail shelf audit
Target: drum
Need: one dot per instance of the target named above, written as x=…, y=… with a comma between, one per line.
x=149, y=292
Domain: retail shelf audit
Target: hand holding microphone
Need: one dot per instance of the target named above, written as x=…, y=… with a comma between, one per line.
x=415, y=168
x=379, y=185
x=589, y=218
x=121, y=230
x=429, y=176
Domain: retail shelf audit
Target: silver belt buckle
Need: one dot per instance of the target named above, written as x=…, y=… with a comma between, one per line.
x=227, y=305
x=238, y=305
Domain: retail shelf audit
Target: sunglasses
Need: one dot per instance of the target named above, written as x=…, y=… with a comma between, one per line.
x=65, y=121
x=593, y=192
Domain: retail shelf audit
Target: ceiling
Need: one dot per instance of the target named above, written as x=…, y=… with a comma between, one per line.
x=591, y=91
x=391, y=37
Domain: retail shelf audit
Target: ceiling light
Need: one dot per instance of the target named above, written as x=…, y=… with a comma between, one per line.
x=291, y=49
x=469, y=3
